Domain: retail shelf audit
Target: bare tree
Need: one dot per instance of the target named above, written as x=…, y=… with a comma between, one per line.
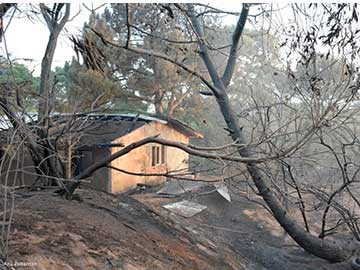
x=55, y=21
x=44, y=155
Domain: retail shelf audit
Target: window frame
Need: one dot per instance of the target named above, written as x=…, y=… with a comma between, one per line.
x=158, y=155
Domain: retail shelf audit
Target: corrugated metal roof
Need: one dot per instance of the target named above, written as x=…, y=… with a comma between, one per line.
x=104, y=128
x=116, y=116
x=173, y=123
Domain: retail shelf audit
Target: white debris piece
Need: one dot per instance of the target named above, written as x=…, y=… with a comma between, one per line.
x=223, y=191
x=185, y=208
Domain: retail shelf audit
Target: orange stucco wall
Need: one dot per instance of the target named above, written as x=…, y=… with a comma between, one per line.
x=139, y=160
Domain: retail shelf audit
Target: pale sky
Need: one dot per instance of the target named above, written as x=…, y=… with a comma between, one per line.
x=27, y=40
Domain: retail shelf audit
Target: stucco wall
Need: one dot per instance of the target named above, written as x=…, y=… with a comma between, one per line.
x=139, y=160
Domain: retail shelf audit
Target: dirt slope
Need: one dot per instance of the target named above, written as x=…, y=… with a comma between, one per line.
x=247, y=230
x=103, y=232
x=134, y=233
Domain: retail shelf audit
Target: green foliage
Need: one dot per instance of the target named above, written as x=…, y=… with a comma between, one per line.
x=20, y=73
x=164, y=87
x=83, y=89
x=18, y=76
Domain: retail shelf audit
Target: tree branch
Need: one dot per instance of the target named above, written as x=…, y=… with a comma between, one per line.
x=204, y=52
x=55, y=29
x=158, y=55
x=230, y=67
x=170, y=175
x=128, y=21
x=65, y=18
x=44, y=11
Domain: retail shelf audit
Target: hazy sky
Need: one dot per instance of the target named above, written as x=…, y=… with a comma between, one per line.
x=27, y=40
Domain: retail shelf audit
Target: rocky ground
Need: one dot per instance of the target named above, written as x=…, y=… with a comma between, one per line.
x=104, y=231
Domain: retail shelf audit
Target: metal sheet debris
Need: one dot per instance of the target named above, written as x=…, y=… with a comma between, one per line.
x=223, y=191
x=185, y=208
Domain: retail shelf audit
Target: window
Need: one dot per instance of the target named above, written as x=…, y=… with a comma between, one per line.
x=163, y=154
x=158, y=155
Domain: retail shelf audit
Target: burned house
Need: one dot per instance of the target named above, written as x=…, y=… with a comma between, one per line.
x=92, y=137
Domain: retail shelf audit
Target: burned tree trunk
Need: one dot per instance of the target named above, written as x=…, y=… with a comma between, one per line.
x=158, y=101
x=45, y=157
x=48, y=165
x=318, y=247
x=55, y=26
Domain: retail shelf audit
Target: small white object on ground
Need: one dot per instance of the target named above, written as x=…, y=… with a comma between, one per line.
x=185, y=208
x=223, y=191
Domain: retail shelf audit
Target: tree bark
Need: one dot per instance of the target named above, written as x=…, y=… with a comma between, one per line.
x=55, y=28
x=44, y=154
x=158, y=101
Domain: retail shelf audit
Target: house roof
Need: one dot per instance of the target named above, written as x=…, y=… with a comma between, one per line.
x=184, y=129
x=102, y=129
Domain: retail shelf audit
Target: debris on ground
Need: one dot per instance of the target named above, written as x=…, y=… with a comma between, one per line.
x=185, y=208
x=223, y=190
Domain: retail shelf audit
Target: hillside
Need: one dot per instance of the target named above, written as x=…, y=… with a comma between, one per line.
x=103, y=231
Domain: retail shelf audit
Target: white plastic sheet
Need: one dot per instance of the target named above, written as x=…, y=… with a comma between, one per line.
x=185, y=208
